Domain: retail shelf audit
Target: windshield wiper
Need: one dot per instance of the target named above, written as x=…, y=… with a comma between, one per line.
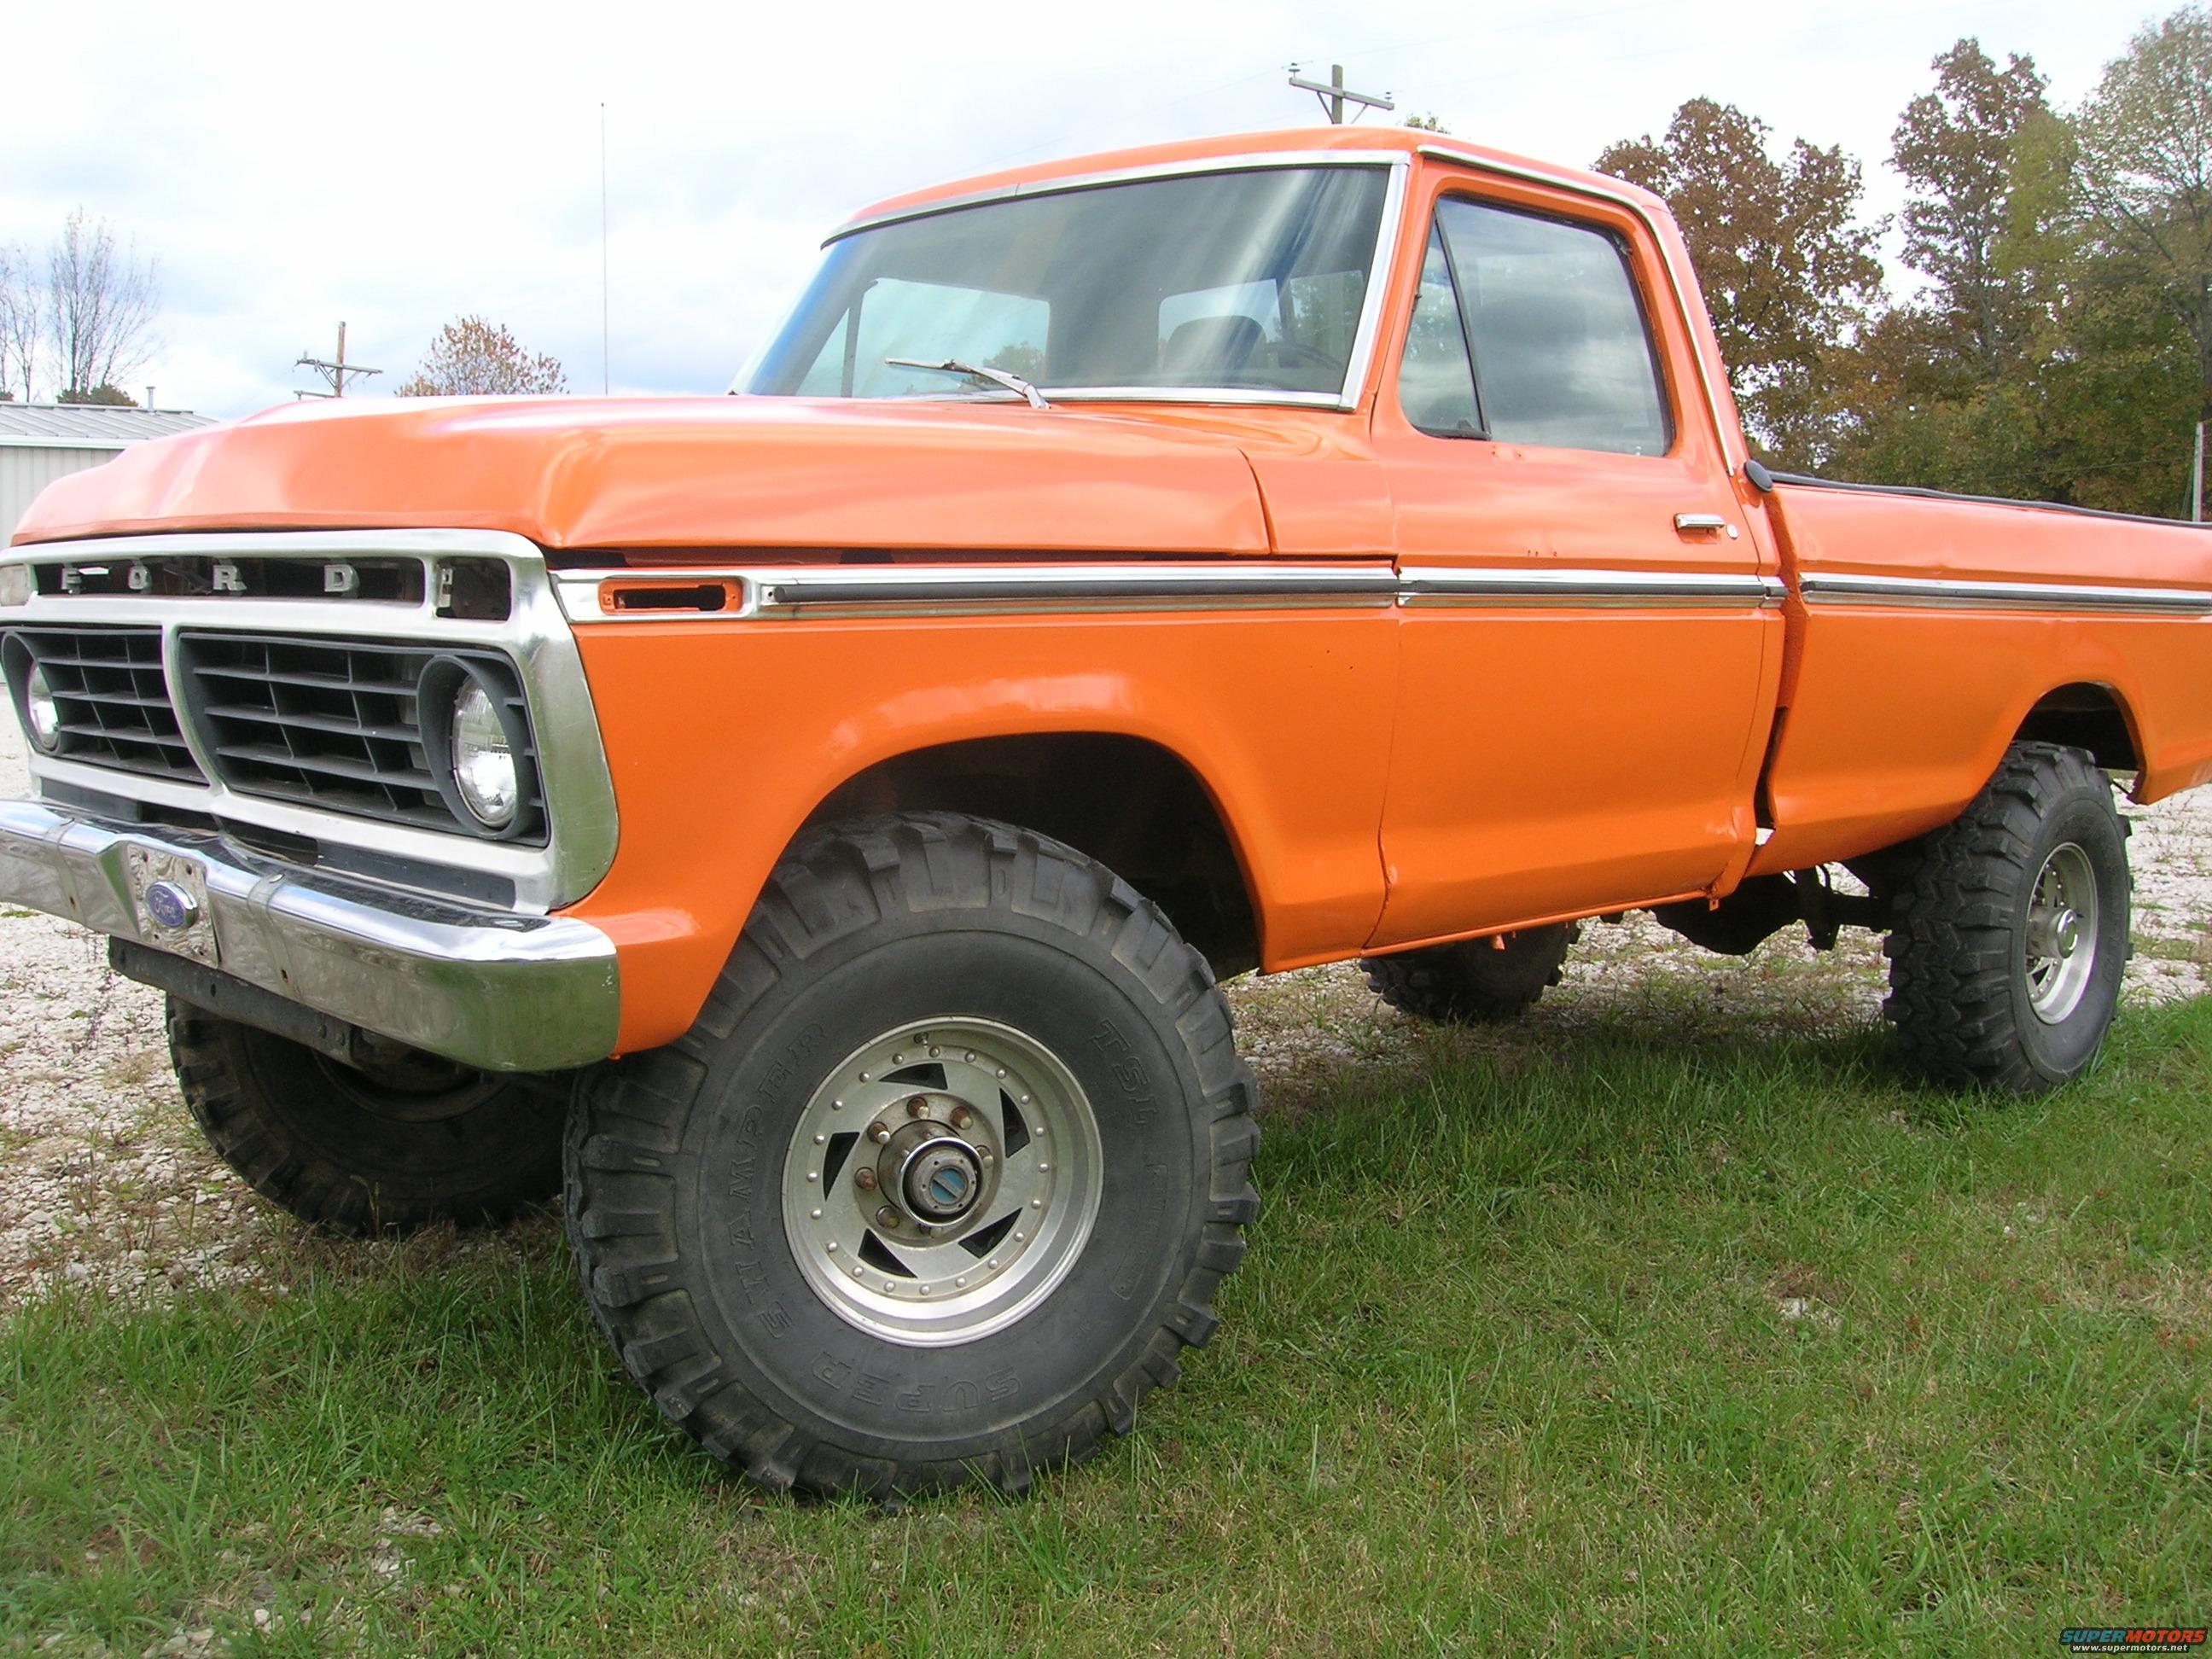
x=996, y=377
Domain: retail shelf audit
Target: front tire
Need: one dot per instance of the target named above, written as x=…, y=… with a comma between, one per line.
x=2010, y=935
x=941, y=1183
x=421, y=1140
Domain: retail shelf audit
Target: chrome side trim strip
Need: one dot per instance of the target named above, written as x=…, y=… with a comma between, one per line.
x=1968, y=595
x=1729, y=434
x=1437, y=584
x=797, y=591
x=579, y=787
x=484, y=986
x=789, y=592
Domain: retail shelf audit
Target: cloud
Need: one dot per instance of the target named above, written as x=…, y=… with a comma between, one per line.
x=291, y=166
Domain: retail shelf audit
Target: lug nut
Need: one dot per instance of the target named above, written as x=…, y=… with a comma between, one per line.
x=917, y=1106
x=887, y=1217
x=865, y=1179
x=880, y=1133
x=962, y=1117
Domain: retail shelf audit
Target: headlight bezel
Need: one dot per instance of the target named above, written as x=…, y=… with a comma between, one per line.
x=23, y=670
x=445, y=683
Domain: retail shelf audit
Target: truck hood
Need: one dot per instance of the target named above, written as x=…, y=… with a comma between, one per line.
x=687, y=473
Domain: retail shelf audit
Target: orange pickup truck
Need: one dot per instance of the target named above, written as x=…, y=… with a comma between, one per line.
x=807, y=825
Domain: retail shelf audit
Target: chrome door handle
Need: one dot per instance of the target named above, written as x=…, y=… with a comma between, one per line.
x=1687, y=522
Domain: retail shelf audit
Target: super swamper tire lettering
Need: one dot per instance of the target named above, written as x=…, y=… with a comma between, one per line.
x=2010, y=935
x=944, y=1178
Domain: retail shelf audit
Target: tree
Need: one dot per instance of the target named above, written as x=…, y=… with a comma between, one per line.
x=113, y=396
x=1788, y=271
x=100, y=306
x=2145, y=172
x=474, y=358
x=1956, y=146
x=21, y=320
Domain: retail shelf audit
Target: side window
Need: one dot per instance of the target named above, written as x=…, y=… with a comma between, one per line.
x=1562, y=355
x=1436, y=384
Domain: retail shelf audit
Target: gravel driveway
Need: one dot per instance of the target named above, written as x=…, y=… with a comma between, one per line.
x=104, y=1180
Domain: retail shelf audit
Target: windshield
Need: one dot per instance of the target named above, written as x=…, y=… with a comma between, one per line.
x=1250, y=283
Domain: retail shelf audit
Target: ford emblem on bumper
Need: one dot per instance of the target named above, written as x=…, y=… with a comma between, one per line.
x=173, y=909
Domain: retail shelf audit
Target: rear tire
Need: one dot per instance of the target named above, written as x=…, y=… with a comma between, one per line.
x=2010, y=935
x=1477, y=980
x=429, y=1141
x=1062, y=1065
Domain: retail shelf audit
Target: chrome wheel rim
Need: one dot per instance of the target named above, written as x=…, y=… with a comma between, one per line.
x=2059, y=944
x=942, y=1180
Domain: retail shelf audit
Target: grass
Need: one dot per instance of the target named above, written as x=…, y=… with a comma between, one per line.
x=1662, y=1338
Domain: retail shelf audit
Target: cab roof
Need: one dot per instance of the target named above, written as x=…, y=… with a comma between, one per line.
x=1369, y=141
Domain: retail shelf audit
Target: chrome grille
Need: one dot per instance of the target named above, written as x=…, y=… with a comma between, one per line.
x=335, y=723
x=114, y=698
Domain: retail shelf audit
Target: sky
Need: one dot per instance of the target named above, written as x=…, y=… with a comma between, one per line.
x=400, y=165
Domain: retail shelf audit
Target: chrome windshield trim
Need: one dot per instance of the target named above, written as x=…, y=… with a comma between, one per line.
x=1125, y=394
x=1246, y=162
x=1730, y=434
x=1965, y=593
x=1353, y=389
x=1380, y=276
x=578, y=786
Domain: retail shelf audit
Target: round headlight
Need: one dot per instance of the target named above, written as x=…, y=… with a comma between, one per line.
x=484, y=771
x=42, y=711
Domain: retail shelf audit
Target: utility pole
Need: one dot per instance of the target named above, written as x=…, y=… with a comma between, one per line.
x=336, y=373
x=1334, y=95
x=2196, y=479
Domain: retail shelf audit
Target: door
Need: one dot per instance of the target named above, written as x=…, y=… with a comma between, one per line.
x=1589, y=641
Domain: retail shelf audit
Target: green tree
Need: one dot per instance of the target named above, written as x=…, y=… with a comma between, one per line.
x=472, y=358
x=1956, y=146
x=112, y=396
x=1943, y=390
x=1787, y=269
x=2145, y=172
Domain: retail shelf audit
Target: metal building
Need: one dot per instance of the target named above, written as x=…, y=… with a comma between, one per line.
x=41, y=442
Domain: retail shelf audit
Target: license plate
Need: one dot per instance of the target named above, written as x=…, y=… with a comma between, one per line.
x=170, y=890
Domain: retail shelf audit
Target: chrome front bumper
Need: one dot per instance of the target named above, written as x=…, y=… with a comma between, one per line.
x=485, y=987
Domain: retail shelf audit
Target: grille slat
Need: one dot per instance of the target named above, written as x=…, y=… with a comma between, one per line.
x=126, y=734
x=335, y=723
x=315, y=722
x=264, y=754
x=114, y=698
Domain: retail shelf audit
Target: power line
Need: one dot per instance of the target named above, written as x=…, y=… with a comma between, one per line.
x=335, y=372
x=1334, y=95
